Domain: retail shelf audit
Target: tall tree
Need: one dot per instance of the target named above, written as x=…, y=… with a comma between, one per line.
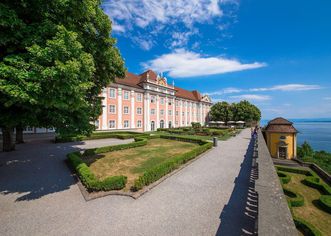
x=55, y=58
x=221, y=111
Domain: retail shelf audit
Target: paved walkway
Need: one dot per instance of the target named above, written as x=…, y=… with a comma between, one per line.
x=208, y=197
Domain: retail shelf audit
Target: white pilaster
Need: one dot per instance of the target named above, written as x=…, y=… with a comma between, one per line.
x=181, y=113
x=173, y=122
x=186, y=118
x=147, y=112
x=200, y=110
x=119, y=108
x=132, y=110
x=157, y=111
x=104, y=109
x=166, y=113
x=191, y=104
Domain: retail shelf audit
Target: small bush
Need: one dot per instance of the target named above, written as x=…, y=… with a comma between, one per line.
x=325, y=203
x=306, y=228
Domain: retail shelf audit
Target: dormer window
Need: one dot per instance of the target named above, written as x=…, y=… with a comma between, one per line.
x=282, y=138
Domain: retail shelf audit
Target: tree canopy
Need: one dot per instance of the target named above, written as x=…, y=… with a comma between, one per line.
x=55, y=59
x=242, y=111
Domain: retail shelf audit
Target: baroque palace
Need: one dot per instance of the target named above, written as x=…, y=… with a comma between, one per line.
x=146, y=102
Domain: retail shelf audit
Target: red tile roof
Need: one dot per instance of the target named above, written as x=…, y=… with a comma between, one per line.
x=136, y=81
x=280, y=125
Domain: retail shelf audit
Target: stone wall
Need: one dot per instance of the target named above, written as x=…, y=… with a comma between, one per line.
x=274, y=216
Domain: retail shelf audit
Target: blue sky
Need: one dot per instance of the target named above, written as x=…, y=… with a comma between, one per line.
x=275, y=53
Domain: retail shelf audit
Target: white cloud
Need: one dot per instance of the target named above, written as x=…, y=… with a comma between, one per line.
x=224, y=91
x=288, y=87
x=251, y=97
x=163, y=16
x=144, y=43
x=182, y=63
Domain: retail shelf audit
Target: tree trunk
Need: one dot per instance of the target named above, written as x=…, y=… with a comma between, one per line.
x=7, y=136
x=19, y=134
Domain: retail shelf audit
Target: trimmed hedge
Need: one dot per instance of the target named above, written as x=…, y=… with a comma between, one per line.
x=294, y=170
x=89, y=180
x=184, y=139
x=139, y=141
x=307, y=228
x=295, y=199
x=99, y=135
x=325, y=203
x=314, y=182
x=284, y=178
x=171, y=164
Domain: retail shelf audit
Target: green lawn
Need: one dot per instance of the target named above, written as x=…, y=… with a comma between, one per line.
x=310, y=211
x=133, y=162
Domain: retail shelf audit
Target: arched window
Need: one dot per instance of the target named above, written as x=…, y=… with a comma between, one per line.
x=161, y=124
x=152, y=125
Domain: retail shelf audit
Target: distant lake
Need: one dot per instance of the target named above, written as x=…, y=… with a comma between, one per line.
x=316, y=132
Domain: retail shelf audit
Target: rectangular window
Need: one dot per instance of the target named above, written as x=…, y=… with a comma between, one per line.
x=139, y=123
x=139, y=110
x=96, y=124
x=182, y=122
x=152, y=99
x=162, y=112
x=111, y=124
x=177, y=103
x=126, y=110
x=176, y=113
x=152, y=111
x=170, y=112
x=139, y=97
x=126, y=95
x=183, y=113
x=162, y=101
x=126, y=124
x=112, y=109
x=112, y=93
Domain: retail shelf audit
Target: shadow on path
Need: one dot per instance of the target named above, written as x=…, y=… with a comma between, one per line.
x=239, y=216
x=35, y=169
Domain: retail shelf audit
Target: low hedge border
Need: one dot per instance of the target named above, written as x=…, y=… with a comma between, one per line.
x=294, y=170
x=184, y=139
x=325, y=203
x=86, y=176
x=89, y=180
x=307, y=228
x=99, y=135
x=314, y=182
x=284, y=178
x=171, y=164
x=295, y=199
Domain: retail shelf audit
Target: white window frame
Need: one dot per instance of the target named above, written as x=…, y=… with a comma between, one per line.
x=114, y=109
x=161, y=100
x=152, y=111
x=139, y=123
x=161, y=112
x=169, y=112
x=177, y=113
x=126, y=124
x=139, y=109
x=112, y=89
x=153, y=99
x=126, y=95
x=128, y=110
x=109, y=126
x=139, y=97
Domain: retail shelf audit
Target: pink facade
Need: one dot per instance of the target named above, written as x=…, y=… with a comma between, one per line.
x=146, y=102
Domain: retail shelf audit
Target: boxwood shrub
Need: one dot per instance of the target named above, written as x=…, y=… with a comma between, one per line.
x=284, y=178
x=295, y=199
x=86, y=176
x=314, y=182
x=293, y=170
x=89, y=180
x=305, y=227
x=157, y=172
x=325, y=203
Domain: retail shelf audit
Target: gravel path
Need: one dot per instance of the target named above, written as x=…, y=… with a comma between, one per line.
x=39, y=196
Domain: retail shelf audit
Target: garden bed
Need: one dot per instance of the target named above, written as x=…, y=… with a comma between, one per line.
x=306, y=193
x=131, y=167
